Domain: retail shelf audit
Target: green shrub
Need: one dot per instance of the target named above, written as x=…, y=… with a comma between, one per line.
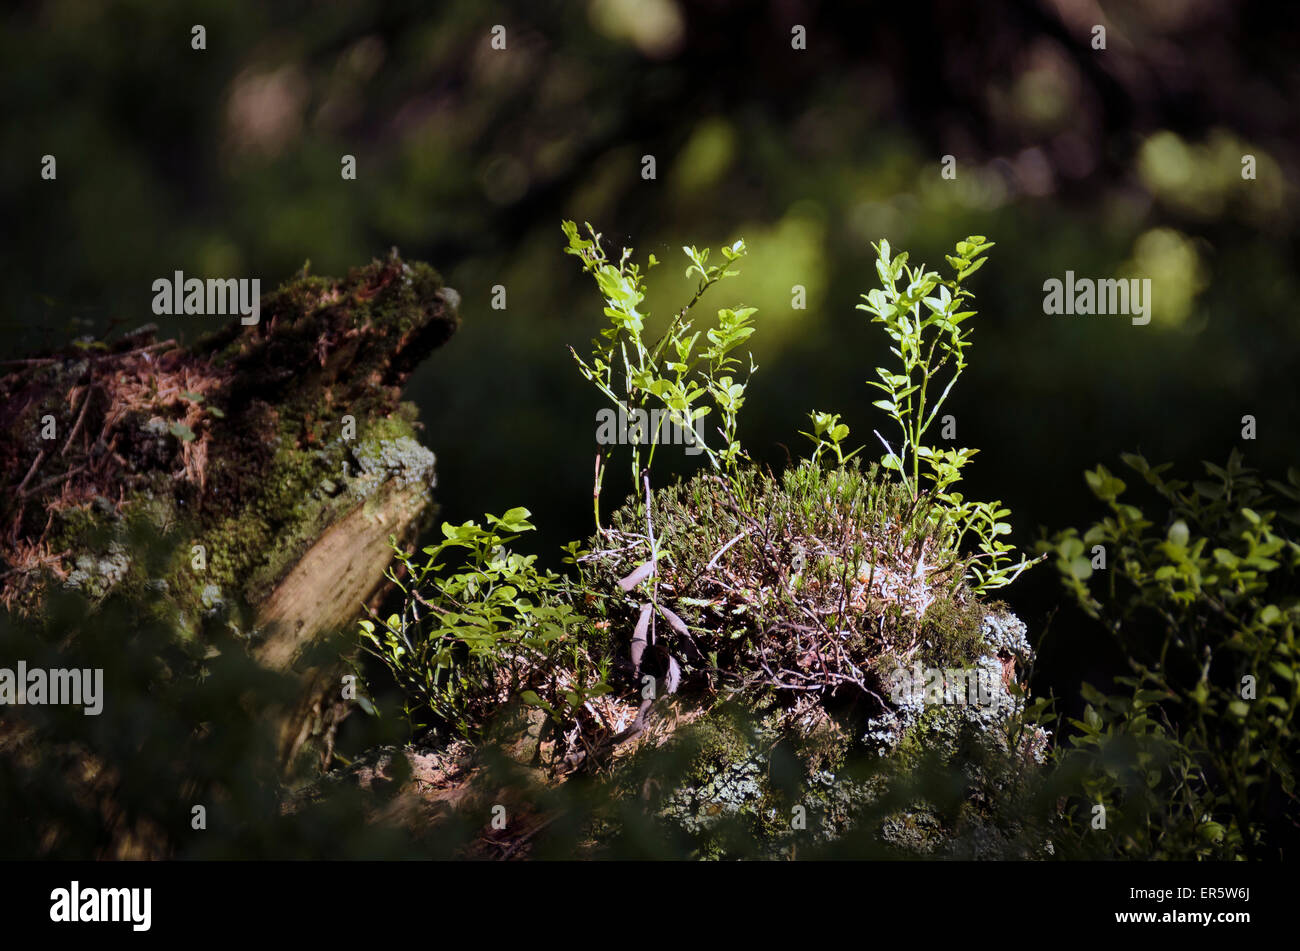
x=633, y=373
x=465, y=642
x=1195, y=757
x=922, y=314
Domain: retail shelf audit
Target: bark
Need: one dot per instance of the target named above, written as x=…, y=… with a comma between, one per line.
x=273, y=461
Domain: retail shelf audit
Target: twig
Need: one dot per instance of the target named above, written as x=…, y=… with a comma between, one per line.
x=146, y=349
x=654, y=554
x=53, y=479
x=722, y=550
x=528, y=835
x=31, y=472
x=81, y=418
x=595, y=495
x=32, y=362
x=607, y=552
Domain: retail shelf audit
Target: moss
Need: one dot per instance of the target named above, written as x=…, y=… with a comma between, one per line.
x=824, y=748
x=83, y=527
x=305, y=491
x=935, y=729
x=952, y=631
x=267, y=468
x=723, y=784
x=718, y=745
x=815, y=544
x=736, y=779
x=822, y=573
x=913, y=832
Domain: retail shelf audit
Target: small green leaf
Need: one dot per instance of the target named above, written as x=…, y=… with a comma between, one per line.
x=967, y=272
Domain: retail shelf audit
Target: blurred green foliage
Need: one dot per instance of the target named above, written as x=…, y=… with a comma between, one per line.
x=1195, y=756
x=226, y=161
x=186, y=722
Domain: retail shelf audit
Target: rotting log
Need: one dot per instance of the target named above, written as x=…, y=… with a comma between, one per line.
x=275, y=461
x=320, y=594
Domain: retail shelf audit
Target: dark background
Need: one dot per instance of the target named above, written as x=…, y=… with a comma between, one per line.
x=1123, y=162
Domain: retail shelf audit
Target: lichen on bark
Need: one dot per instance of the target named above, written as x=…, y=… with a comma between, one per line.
x=200, y=480
x=235, y=444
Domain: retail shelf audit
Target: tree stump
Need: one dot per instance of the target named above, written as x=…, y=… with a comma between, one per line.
x=273, y=461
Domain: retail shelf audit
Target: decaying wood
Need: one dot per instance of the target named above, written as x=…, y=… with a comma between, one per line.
x=322, y=592
x=275, y=461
